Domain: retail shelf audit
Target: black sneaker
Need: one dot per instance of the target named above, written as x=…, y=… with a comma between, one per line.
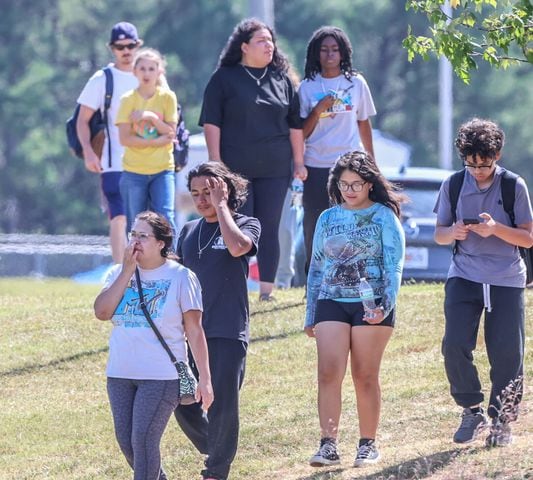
x=471, y=425
x=500, y=434
x=327, y=454
x=366, y=454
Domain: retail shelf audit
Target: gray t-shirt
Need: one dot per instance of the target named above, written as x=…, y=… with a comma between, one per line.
x=486, y=260
x=337, y=131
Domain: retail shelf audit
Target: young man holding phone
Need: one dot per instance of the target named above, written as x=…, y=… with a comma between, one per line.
x=486, y=273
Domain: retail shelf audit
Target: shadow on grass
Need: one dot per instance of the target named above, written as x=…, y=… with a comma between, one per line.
x=80, y=355
x=53, y=363
x=416, y=468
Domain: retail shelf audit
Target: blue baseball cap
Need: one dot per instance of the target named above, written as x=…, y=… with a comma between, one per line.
x=124, y=31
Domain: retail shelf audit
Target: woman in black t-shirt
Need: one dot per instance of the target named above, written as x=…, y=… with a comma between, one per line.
x=251, y=121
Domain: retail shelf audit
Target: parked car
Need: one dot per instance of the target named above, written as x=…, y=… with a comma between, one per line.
x=424, y=259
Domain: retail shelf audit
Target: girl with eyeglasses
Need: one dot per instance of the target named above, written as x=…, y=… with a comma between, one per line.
x=359, y=237
x=336, y=105
x=147, y=121
x=142, y=382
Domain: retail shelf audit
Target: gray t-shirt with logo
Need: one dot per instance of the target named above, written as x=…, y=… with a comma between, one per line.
x=486, y=260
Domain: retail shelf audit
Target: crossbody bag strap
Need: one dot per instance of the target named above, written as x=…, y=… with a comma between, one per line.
x=151, y=322
x=107, y=104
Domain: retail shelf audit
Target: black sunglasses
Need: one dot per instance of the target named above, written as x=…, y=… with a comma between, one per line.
x=129, y=46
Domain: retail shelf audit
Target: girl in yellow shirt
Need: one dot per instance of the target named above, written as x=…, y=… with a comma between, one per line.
x=146, y=122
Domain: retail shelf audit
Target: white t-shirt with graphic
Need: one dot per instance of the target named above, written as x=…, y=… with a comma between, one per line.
x=93, y=96
x=134, y=350
x=337, y=131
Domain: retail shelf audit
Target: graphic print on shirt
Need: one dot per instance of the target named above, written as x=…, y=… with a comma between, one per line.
x=128, y=313
x=355, y=249
x=145, y=128
x=343, y=101
x=218, y=243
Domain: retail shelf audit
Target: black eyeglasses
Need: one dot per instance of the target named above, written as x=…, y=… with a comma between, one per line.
x=471, y=166
x=129, y=46
x=354, y=187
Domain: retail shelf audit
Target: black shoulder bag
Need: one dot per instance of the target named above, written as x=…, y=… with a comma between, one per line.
x=188, y=383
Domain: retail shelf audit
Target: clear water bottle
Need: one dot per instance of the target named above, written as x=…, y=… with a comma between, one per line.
x=366, y=293
x=297, y=191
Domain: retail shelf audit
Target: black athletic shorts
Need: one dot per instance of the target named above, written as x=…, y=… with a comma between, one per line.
x=348, y=312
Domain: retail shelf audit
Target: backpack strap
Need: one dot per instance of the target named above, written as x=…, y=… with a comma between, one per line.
x=456, y=182
x=508, y=187
x=107, y=105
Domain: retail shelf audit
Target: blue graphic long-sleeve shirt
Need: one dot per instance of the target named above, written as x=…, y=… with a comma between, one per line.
x=349, y=245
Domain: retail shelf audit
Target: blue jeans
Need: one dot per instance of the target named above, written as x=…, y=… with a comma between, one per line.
x=148, y=192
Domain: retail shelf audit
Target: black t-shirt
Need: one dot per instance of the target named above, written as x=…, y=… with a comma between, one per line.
x=223, y=277
x=254, y=119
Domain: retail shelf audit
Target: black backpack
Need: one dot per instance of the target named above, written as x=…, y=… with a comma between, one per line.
x=508, y=186
x=97, y=122
x=181, y=145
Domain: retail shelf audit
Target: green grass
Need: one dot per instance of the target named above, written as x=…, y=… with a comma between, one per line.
x=55, y=421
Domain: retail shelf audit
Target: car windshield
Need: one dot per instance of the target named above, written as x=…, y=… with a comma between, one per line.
x=422, y=199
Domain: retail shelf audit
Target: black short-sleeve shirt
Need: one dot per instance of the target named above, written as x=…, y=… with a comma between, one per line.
x=223, y=277
x=254, y=119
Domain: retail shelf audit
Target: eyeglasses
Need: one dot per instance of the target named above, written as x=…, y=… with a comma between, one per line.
x=354, y=186
x=478, y=167
x=141, y=236
x=129, y=46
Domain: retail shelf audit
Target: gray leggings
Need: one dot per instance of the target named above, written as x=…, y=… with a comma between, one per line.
x=141, y=409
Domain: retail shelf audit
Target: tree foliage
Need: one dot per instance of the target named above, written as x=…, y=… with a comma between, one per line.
x=497, y=32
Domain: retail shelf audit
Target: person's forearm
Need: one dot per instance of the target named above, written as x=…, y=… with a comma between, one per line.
x=297, y=144
x=310, y=123
x=237, y=242
x=365, y=133
x=197, y=342
x=107, y=301
x=164, y=128
x=521, y=237
x=129, y=139
x=444, y=235
x=212, y=140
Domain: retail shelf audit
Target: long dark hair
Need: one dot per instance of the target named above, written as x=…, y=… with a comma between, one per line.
x=162, y=231
x=237, y=185
x=232, y=54
x=312, y=60
x=363, y=164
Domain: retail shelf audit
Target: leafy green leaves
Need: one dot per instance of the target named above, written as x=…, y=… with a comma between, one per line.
x=497, y=32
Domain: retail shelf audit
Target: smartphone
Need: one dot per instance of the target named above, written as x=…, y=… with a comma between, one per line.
x=471, y=221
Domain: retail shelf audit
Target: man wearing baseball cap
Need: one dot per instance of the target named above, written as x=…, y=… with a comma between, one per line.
x=123, y=43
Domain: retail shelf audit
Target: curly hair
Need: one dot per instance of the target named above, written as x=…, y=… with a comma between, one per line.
x=237, y=185
x=162, y=231
x=232, y=54
x=312, y=60
x=364, y=165
x=479, y=138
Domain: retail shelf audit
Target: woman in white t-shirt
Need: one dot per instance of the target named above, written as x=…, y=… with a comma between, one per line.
x=142, y=382
x=335, y=103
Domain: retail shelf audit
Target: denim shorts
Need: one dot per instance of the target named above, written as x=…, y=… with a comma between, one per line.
x=351, y=313
x=111, y=190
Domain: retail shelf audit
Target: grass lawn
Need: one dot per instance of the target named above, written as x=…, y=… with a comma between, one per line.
x=55, y=421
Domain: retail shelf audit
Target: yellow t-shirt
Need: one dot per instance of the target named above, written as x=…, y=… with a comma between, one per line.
x=148, y=160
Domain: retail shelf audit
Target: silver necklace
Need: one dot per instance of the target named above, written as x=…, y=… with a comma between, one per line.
x=257, y=80
x=200, y=248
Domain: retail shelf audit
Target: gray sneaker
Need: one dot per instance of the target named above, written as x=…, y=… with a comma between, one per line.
x=500, y=434
x=367, y=454
x=327, y=454
x=471, y=425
